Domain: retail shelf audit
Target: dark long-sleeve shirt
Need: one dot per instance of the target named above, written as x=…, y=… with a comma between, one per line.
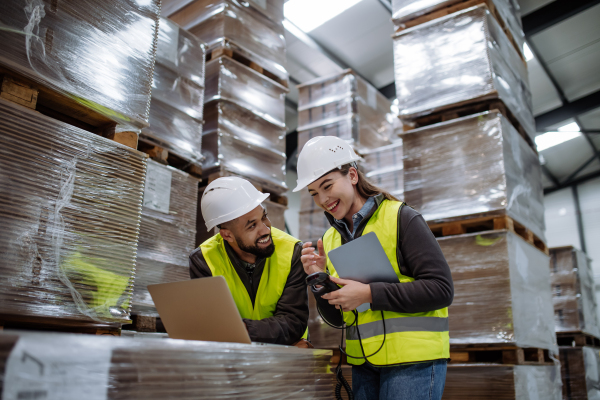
x=288, y=323
x=419, y=256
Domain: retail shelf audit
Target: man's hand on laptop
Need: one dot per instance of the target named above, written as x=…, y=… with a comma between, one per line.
x=311, y=261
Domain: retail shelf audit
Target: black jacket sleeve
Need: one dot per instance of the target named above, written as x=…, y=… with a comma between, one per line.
x=424, y=261
x=289, y=322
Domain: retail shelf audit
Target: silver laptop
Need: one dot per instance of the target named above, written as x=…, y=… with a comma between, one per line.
x=363, y=260
x=199, y=309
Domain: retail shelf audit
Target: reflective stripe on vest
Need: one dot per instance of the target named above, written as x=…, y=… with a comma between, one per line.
x=272, y=281
x=409, y=337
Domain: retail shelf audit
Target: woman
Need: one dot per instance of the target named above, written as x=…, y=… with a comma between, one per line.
x=400, y=346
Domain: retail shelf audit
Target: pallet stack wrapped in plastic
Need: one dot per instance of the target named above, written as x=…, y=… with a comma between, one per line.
x=346, y=106
x=64, y=366
x=176, y=110
x=576, y=321
x=471, y=170
x=246, y=84
x=167, y=232
x=72, y=199
x=90, y=64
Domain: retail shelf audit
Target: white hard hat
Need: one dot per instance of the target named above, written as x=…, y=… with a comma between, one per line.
x=228, y=198
x=320, y=155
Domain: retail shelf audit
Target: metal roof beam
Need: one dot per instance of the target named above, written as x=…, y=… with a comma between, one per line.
x=567, y=110
x=578, y=181
x=554, y=13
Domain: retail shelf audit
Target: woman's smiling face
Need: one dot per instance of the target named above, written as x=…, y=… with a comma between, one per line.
x=335, y=193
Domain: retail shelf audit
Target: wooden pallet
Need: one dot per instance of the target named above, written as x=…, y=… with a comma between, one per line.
x=464, y=109
x=166, y=157
x=510, y=355
x=47, y=101
x=576, y=339
x=142, y=323
x=459, y=6
x=49, y=324
x=274, y=197
x=231, y=53
x=487, y=223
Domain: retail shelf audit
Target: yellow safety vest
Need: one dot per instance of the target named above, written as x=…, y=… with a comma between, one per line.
x=272, y=281
x=409, y=337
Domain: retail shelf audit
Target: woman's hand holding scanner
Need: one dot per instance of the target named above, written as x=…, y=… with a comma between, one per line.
x=351, y=295
x=311, y=261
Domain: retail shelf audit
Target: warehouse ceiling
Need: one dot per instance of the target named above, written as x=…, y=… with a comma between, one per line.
x=564, y=71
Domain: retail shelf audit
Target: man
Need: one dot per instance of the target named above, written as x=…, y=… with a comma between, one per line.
x=261, y=264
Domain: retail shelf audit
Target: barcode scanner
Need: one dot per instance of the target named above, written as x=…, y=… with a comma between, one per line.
x=323, y=280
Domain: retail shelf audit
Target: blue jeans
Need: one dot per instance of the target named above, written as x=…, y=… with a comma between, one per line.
x=422, y=381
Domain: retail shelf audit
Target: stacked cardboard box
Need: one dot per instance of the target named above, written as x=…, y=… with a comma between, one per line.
x=576, y=321
x=71, y=202
x=78, y=366
x=246, y=83
x=580, y=370
x=167, y=232
x=176, y=110
x=83, y=53
x=70, y=214
x=575, y=308
x=470, y=169
x=346, y=106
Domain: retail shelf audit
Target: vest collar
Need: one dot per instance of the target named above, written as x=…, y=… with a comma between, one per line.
x=361, y=227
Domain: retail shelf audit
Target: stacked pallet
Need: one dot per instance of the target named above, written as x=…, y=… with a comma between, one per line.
x=576, y=321
x=61, y=366
x=167, y=235
x=174, y=136
x=471, y=170
x=346, y=106
x=71, y=198
x=244, y=101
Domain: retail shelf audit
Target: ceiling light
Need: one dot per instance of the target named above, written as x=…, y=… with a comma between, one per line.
x=527, y=53
x=310, y=14
x=571, y=127
x=551, y=139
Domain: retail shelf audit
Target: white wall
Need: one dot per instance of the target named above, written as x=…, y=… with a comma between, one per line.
x=561, y=223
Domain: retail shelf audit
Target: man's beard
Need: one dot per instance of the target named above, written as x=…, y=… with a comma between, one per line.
x=261, y=252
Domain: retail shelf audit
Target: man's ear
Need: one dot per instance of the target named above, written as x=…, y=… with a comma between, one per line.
x=227, y=235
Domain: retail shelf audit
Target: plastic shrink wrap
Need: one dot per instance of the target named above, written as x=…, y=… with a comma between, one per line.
x=273, y=9
x=99, y=54
x=239, y=26
x=346, y=106
x=501, y=291
x=167, y=232
x=227, y=79
x=102, y=367
x=460, y=59
x=384, y=167
x=502, y=382
x=473, y=166
x=177, y=93
x=572, y=279
x=70, y=213
x=244, y=131
x=508, y=10
x=580, y=370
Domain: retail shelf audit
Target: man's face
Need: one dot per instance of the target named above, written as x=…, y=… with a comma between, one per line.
x=252, y=233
